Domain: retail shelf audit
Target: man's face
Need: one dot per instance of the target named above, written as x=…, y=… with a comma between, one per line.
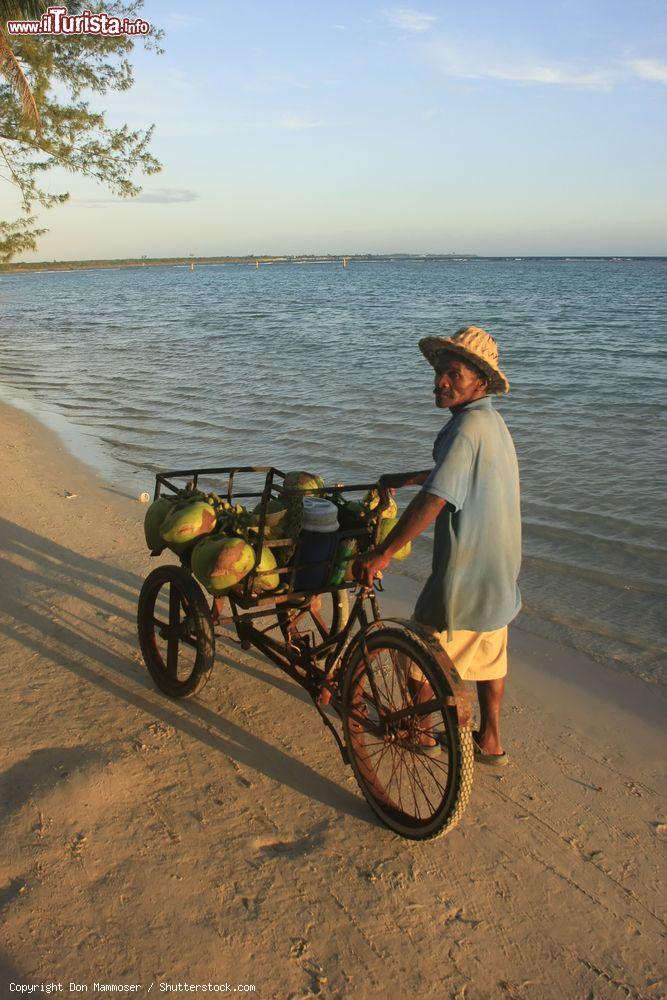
x=456, y=383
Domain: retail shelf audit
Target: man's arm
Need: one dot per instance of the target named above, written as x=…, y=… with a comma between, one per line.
x=396, y=480
x=415, y=519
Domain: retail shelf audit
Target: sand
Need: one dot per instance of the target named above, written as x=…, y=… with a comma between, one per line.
x=222, y=840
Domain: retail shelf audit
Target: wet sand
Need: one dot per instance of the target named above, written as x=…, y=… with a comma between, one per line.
x=223, y=840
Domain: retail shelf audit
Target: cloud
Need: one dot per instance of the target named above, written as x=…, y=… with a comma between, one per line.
x=408, y=19
x=167, y=196
x=455, y=61
x=160, y=196
x=649, y=69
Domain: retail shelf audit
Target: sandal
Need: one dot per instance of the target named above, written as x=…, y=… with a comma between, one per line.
x=494, y=759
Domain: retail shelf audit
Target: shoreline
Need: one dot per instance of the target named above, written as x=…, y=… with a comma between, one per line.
x=160, y=840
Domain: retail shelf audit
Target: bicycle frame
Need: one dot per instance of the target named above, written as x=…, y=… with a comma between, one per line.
x=313, y=667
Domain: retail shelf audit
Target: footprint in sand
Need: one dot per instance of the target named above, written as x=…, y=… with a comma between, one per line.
x=77, y=845
x=310, y=841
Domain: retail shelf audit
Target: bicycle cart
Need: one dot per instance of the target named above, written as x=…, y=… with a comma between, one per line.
x=384, y=688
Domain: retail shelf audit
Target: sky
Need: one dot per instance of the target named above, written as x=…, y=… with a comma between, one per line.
x=310, y=127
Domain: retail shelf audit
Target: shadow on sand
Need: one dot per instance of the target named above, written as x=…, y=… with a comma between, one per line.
x=40, y=568
x=9, y=975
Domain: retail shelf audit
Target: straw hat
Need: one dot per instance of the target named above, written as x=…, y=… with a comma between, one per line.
x=474, y=345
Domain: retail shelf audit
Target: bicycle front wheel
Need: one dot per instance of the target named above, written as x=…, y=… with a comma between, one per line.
x=175, y=631
x=412, y=761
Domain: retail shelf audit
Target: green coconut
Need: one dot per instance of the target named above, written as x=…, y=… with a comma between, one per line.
x=155, y=516
x=219, y=563
x=386, y=525
x=184, y=525
x=304, y=482
x=265, y=578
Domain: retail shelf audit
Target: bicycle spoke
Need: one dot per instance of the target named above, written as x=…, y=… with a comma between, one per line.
x=382, y=750
x=400, y=797
x=435, y=763
x=400, y=672
x=366, y=724
x=378, y=742
x=396, y=759
x=421, y=787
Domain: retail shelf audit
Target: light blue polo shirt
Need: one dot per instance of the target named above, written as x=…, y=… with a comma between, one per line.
x=477, y=543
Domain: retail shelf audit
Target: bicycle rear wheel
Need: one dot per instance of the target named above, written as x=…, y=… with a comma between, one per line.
x=412, y=761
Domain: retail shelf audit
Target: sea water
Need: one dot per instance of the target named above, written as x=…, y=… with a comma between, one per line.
x=316, y=367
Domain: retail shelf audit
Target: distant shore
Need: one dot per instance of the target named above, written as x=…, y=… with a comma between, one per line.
x=80, y=265
x=257, y=261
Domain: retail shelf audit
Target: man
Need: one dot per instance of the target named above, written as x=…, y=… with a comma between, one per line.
x=472, y=494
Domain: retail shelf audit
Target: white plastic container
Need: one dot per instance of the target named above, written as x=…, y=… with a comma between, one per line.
x=319, y=515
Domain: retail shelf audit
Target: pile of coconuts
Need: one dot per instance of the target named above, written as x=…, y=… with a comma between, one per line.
x=217, y=537
x=220, y=538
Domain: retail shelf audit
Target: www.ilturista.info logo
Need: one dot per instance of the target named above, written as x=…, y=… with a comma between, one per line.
x=58, y=21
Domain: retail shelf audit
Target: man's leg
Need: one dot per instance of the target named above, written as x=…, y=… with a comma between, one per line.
x=490, y=697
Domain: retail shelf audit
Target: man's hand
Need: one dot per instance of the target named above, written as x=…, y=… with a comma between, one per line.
x=397, y=480
x=392, y=481
x=365, y=568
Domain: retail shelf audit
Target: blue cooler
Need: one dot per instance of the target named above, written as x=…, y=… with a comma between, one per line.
x=317, y=543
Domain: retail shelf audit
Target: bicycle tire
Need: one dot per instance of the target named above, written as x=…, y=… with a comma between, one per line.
x=340, y=611
x=418, y=793
x=194, y=631
x=323, y=624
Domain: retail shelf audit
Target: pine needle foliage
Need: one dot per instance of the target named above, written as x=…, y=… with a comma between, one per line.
x=46, y=119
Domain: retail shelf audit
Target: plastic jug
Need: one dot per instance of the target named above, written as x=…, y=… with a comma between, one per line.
x=317, y=543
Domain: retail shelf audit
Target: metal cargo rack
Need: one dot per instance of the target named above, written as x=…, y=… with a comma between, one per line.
x=245, y=594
